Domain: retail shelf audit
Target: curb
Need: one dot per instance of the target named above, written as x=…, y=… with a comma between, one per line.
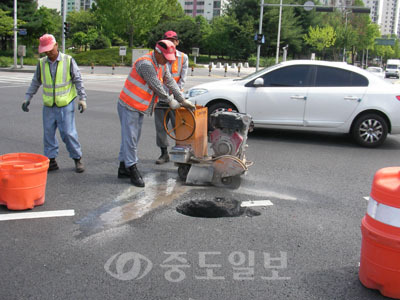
x=19, y=70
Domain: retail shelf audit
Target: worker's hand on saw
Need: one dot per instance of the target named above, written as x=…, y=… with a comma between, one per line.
x=174, y=104
x=189, y=105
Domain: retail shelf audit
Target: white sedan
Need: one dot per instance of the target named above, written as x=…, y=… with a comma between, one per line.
x=310, y=95
x=378, y=71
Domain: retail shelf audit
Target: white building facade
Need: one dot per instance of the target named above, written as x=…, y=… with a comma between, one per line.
x=206, y=8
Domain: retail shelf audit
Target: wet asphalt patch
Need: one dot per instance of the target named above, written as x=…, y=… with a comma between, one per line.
x=219, y=207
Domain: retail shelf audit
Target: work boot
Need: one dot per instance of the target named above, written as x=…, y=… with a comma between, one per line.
x=53, y=165
x=136, y=178
x=79, y=168
x=122, y=171
x=164, y=157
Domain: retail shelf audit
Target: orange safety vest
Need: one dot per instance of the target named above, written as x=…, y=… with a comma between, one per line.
x=176, y=67
x=136, y=92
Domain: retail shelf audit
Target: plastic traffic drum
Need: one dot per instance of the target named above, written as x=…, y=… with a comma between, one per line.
x=380, y=249
x=23, y=179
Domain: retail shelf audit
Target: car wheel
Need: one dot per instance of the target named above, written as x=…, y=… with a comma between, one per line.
x=370, y=130
x=215, y=107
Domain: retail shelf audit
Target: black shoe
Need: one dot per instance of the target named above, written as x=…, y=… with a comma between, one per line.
x=162, y=159
x=52, y=165
x=123, y=172
x=79, y=168
x=136, y=178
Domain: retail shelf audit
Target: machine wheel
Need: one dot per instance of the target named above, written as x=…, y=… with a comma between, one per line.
x=187, y=123
x=183, y=170
x=215, y=107
x=370, y=130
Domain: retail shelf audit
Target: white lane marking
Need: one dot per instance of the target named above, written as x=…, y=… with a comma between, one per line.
x=256, y=203
x=36, y=215
x=13, y=86
x=366, y=198
x=266, y=194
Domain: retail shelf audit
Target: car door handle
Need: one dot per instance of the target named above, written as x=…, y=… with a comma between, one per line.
x=298, y=97
x=353, y=98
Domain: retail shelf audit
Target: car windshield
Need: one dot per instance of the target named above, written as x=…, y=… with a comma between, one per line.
x=391, y=67
x=256, y=74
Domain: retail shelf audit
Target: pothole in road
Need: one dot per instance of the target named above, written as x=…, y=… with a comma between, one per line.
x=219, y=207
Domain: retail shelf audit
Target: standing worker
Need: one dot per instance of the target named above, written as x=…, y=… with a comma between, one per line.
x=178, y=69
x=62, y=82
x=142, y=90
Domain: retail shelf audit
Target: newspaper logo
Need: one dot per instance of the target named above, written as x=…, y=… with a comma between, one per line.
x=128, y=266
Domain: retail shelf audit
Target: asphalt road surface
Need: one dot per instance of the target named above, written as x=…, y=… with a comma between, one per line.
x=124, y=242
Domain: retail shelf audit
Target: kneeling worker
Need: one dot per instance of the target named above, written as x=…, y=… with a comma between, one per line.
x=142, y=90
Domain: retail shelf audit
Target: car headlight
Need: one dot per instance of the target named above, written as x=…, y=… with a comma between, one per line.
x=195, y=92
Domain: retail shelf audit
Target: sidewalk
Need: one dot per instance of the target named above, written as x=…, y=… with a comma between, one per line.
x=200, y=71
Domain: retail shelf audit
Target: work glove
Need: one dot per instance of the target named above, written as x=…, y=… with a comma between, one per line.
x=82, y=105
x=174, y=104
x=189, y=105
x=25, y=105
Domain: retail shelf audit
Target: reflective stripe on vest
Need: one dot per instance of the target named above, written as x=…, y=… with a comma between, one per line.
x=62, y=91
x=176, y=67
x=136, y=92
x=383, y=213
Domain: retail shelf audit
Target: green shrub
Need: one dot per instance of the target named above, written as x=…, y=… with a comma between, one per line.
x=263, y=63
x=103, y=57
x=6, y=61
x=101, y=42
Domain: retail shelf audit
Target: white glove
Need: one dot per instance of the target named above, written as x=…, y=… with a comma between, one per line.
x=174, y=104
x=82, y=105
x=188, y=104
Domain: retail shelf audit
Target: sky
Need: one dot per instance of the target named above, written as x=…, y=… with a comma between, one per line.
x=51, y=4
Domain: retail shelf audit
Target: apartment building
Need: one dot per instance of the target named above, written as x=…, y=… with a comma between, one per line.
x=386, y=14
x=206, y=8
x=72, y=5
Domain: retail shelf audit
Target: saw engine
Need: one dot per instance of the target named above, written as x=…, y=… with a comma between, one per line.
x=229, y=134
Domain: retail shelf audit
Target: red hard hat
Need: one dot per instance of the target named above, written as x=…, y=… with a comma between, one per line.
x=167, y=48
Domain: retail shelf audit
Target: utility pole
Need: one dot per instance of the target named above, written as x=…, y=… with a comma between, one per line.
x=15, y=34
x=260, y=32
x=279, y=33
x=64, y=19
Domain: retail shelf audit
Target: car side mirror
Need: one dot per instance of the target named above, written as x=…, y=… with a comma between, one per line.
x=258, y=82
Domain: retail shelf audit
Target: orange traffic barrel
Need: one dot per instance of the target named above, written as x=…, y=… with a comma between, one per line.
x=23, y=179
x=380, y=228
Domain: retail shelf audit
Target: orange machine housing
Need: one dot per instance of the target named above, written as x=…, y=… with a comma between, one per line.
x=198, y=142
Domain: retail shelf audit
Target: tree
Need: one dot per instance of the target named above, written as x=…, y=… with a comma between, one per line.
x=190, y=31
x=44, y=20
x=135, y=17
x=321, y=38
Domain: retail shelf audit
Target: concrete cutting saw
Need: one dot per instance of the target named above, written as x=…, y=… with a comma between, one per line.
x=224, y=135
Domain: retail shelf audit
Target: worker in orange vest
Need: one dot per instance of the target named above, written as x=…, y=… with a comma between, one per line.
x=142, y=90
x=178, y=69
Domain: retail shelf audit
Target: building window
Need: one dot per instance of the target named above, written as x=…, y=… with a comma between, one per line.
x=200, y=11
x=189, y=3
x=217, y=4
x=188, y=11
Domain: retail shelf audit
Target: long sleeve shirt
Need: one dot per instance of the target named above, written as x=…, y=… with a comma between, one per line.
x=75, y=77
x=147, y=71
